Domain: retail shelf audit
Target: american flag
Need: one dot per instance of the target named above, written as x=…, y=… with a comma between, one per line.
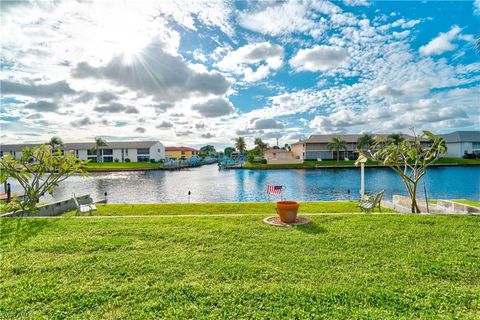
x=274, y=189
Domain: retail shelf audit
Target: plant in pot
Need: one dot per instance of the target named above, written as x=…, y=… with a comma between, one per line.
x=287, y=210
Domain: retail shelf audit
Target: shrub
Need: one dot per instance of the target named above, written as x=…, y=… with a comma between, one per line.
x=116, y=160
x=264, y=161
x=152, y=161
x=127, y=159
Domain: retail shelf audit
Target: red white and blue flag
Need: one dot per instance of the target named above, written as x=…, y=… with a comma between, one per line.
x=274, y=189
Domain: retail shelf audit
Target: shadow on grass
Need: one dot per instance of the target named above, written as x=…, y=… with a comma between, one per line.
x=311, y=228
x=17, y=230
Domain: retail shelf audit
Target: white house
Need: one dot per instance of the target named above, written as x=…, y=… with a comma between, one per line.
x=135, y=151
x=461, y=142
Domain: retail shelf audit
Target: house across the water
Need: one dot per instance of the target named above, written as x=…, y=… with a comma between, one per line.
x=460, y=143
x=134, y=151
x=178, y=153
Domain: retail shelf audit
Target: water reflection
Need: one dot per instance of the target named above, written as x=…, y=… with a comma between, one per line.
x=207, y=184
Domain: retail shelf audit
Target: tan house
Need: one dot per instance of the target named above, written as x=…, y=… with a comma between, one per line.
x=279, y=156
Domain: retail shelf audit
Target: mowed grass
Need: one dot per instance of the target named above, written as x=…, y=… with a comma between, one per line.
x=362, y=266
x=121, y=165
x=469, y=202
x=267, y=208
x=350, y=163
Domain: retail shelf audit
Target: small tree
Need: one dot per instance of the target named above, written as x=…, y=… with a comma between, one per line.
x=99, y=142
x=408, y=158
x=240, y=145
x=55, y=142
x=365, y=141
x=337, y=144
x=396, y=138
x=228, y=151
x=260, y=146
x=38, y=171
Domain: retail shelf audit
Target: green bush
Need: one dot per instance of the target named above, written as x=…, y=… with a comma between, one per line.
x=127, y=159
x=152, y=161
x=116, y=160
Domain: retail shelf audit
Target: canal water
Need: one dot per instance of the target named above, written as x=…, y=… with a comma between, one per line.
x=209, y=184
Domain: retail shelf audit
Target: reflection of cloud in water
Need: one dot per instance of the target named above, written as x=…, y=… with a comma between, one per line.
x=207, y=184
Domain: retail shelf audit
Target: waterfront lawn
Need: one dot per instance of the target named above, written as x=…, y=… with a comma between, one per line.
x=121, y=165
x=351, y=163
x=266, y=208
x=458, y=161
x=340, y=267
x=469, y=202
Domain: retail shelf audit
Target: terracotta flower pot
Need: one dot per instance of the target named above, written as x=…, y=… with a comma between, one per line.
x=287, y=210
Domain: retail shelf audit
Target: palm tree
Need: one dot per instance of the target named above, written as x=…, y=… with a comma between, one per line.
x=240, y=145
x=365, y=141
x=396, y=138
x=261, y=146
x=55, y=142
x=337, y=144
x=99, y=142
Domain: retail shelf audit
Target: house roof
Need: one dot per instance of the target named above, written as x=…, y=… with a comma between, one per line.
x=462, y=136
x=86, y=145
x=348, y=138
x=180, y=149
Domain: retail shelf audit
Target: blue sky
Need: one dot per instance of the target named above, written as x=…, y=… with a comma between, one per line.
x=205, y=72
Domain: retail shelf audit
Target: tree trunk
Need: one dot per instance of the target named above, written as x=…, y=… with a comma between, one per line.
x=415, y=208
x=338, y=155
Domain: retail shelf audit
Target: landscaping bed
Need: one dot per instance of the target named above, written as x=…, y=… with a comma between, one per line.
x=341, y=266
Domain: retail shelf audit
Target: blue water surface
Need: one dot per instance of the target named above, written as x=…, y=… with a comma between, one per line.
x=209, y=184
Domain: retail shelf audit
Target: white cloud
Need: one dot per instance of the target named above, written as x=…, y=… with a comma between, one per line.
x=352, y=3
x=442, y=43
x=287, y=17
x=265, y=56
x=267, y=124
x=476, y=7
x=216, y=107
x=416, y=88
x=319, y=58
x=156, y=72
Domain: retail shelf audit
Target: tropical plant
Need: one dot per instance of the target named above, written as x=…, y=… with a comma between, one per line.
x=228, y=151
x=38, y=171
x=337, y=144
x=287, y=147
x=99, y=142
x=260, y=146
x=207, y=150
x=365, y=141
x=55, y=142
x=240, y=144
x=396, y=138
x=408, y=158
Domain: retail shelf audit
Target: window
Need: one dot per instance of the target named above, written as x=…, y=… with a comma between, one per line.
x=143, y=158
x=107, y=152
x=91, y=152
x=476, y=145
x=143, y=151
x=76, y=153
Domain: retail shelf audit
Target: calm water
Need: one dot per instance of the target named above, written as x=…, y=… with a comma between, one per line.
x=208, y=184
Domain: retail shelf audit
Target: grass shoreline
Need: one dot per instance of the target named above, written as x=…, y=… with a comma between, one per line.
x=332, y=164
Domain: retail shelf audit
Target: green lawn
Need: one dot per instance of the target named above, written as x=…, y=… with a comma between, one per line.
x=121, y=165
x=220, y=208
x=342, y=266
x=351, y=163
x=469, y=202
